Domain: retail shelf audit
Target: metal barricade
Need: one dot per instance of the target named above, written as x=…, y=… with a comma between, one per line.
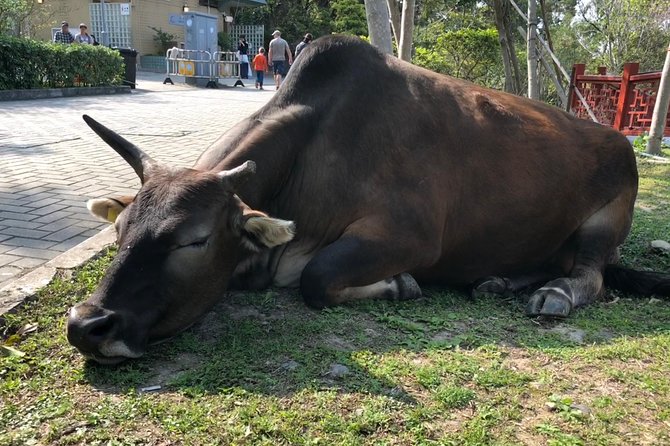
x=195, y=64
x=226, y=65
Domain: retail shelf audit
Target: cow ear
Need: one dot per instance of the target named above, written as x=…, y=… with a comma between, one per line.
x=107, y=209
x=260, y=231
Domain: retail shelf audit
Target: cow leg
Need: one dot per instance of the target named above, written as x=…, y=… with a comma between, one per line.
x=494, y=286
x=353, y=268
x=596, y=242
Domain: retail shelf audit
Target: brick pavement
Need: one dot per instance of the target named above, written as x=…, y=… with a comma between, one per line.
x=51, y=162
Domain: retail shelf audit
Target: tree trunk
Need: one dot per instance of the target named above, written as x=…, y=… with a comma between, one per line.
x=660, y=115
x=395, y=20
x=512, y=52
x=560, y=91
x=544, y=14
x=531, y=47
x=405, y=45
x=377, y=14
x=512, y=78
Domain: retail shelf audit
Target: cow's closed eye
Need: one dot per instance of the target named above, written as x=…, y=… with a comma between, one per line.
x=195, y=244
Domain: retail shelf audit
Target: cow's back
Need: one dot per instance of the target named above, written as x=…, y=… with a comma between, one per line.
x=484, y=174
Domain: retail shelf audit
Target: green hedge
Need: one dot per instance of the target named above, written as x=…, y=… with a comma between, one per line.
x=26, y=64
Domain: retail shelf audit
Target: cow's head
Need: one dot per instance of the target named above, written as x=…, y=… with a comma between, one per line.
x=179, y=241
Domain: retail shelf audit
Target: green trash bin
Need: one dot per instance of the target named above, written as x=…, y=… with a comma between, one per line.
x=130, y=60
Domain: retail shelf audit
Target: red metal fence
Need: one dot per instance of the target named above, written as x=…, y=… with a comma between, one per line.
x=625, y=103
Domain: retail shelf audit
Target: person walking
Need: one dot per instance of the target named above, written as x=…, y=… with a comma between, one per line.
x=83, y=36
x=305, y=41
x=64, y=35
x=261, y=66
x=278, y=54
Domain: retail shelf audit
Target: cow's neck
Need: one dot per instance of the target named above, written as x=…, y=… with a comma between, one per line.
x=273, y=141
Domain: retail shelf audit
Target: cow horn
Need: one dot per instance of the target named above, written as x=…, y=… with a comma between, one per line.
x=136, y=157
x=238, y=175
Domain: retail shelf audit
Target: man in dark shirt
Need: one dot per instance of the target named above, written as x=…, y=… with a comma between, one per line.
x=64, y=35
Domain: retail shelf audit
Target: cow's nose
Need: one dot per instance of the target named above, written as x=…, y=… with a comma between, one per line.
x=88, y=326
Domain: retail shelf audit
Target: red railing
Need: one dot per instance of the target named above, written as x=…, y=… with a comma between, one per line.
x=625, y=103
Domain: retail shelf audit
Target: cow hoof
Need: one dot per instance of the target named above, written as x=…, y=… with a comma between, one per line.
x=549, y=302
x=491, y=287
x=407, y=287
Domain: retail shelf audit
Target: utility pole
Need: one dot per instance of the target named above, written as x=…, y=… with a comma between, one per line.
x=660, y=115
x=104, y=37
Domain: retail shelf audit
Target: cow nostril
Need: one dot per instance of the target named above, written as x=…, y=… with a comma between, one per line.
x=100, y=331
x=87, y=332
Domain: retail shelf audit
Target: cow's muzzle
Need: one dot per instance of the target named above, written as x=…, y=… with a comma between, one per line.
x=97, y=334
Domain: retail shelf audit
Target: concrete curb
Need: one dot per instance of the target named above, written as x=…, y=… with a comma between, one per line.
x=21, y=289
x=48, y=93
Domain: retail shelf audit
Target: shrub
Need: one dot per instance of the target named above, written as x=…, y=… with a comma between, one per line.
x=224, y=41
x=164, y=40
x=26, y=64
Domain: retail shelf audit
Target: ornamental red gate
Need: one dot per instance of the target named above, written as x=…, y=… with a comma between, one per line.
x=625, y=102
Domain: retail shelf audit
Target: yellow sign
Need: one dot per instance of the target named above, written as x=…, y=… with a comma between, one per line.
x=186, y=68
x=226, y=70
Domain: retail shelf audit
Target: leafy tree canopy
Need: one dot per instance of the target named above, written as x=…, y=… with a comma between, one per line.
x=472, y=54
x=319, y=17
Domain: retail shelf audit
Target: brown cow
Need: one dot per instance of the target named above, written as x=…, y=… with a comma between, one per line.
x=352, y=182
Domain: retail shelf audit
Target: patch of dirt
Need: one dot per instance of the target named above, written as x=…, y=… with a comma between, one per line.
x=605, y=335
x=645, y=207
x=166, y=371
x=572, y=334
x=209, y=328
x=338, y=343
x=585, y=385
x=522, y=361
x=451, y=334
x=244, y=312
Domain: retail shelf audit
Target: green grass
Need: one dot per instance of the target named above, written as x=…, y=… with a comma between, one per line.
x=443, y=370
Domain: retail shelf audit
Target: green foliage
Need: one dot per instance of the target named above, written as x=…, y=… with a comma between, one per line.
x=640, y=143
x=454, y=14
x=598, y=32
x=19, y=18
x=618, y=31
x=26, y=64
x=293, y=19
x=164, y=40
x=471, y=54
x=565, y=407
x=11, y=14
x=224, y=41
x=349, y=17
x=453, y=397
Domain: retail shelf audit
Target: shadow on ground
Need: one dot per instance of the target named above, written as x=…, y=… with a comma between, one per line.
x=271, y=343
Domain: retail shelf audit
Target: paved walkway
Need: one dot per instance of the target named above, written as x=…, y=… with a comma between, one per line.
x=51, y=162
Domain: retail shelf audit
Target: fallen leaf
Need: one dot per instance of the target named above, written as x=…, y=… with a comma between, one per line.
x=26, y=329
x=6, y=350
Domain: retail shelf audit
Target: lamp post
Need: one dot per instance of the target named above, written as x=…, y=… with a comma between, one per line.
x=104, y=37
